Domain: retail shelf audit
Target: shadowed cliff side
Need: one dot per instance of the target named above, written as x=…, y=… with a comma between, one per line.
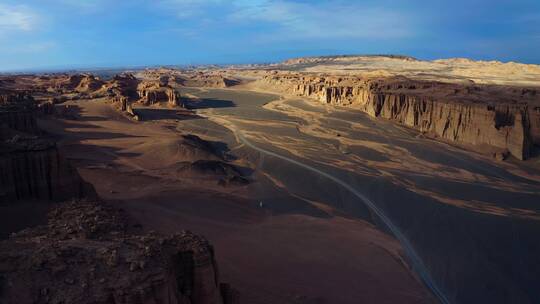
x=31, y=168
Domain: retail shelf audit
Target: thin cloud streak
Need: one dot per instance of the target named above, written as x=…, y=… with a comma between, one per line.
x=302, y=20
x=16, y=18
x=292, y=20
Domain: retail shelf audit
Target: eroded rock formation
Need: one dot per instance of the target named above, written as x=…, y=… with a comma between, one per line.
x=157, y=92
x=90, y=253
x=201, y=79
x=493, y=119
x=31, y=168
x=17, y=112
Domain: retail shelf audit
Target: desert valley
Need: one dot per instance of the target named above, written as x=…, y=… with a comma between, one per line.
x=339, y=179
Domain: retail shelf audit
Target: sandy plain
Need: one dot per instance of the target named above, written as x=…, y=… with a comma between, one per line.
x=294, y=236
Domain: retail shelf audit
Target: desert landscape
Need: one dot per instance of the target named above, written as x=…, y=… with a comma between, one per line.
x=338, y=179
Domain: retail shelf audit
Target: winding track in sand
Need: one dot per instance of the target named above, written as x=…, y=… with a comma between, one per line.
x=416, y=263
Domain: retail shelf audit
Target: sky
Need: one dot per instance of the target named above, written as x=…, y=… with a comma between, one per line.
x=43, y=34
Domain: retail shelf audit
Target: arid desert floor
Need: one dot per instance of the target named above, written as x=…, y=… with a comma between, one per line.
x=317, y=180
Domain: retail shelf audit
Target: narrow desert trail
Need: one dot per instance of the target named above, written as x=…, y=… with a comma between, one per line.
x=415, y=261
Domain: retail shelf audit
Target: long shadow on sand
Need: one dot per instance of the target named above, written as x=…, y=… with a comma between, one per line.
x=151, y=114
x=209, y=103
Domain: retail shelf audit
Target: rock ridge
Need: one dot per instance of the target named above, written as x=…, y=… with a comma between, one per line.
x=492, y=119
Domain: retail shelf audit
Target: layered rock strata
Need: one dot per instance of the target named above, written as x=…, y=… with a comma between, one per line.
x=491, y=118
x=201, y=79
x=90, y=253
x=31, y=168
x=153, y=93
x=17, y=112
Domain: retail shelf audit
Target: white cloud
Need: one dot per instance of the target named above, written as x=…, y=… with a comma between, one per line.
x=330, y=19
x=292, y=20
x=188, y=8
x=16, y=18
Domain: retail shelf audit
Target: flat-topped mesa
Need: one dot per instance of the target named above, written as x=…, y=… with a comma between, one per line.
x=122, y=89
x=151, y=92
x=494, y=119
x=88, y=83
x=201, y=79
x=124, y=85
x=90, y=253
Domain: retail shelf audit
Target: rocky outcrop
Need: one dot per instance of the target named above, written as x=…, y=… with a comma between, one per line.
x=201, y=79
x=31, y=168
x=91, y=253
x=122, y=85
x=157, y=92
x=494, y=119
x=17, y=112
x=88, y=83
x=534, y=117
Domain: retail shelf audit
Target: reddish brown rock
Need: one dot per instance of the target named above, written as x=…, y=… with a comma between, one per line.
x=151, y=92
x=89, y=253
x=17, y=112
x=31, y=167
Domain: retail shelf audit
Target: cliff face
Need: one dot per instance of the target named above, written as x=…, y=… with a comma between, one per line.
x=34, y=169
x=204, y=80
x=31, y=167
x=17, y=112
x=490, y=118
x=88, y=253
x=153, y=95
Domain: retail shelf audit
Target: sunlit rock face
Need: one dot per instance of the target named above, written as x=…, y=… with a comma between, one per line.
x=157, y=92
x=490, y=118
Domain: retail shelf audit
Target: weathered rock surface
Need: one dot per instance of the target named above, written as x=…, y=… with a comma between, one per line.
x=31, y=168
x=156, y=92
x=90, y=253
x=80, y=83
x=201, y=79
x=123, y=85
x=17, y=112
x=488, y=118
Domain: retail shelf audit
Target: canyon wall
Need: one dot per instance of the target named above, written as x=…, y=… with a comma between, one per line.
x=17, y=112
x=31, y=168
x=486, y=118
x=152, y=94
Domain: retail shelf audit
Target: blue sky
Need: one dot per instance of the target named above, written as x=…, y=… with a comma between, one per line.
x=103, y=33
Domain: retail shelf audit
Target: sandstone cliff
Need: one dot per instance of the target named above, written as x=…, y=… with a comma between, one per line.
x=89, y=253
x=201, y=79
x=156, y=92
x=488, y=118
x=17, y=112
x=31, y=168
